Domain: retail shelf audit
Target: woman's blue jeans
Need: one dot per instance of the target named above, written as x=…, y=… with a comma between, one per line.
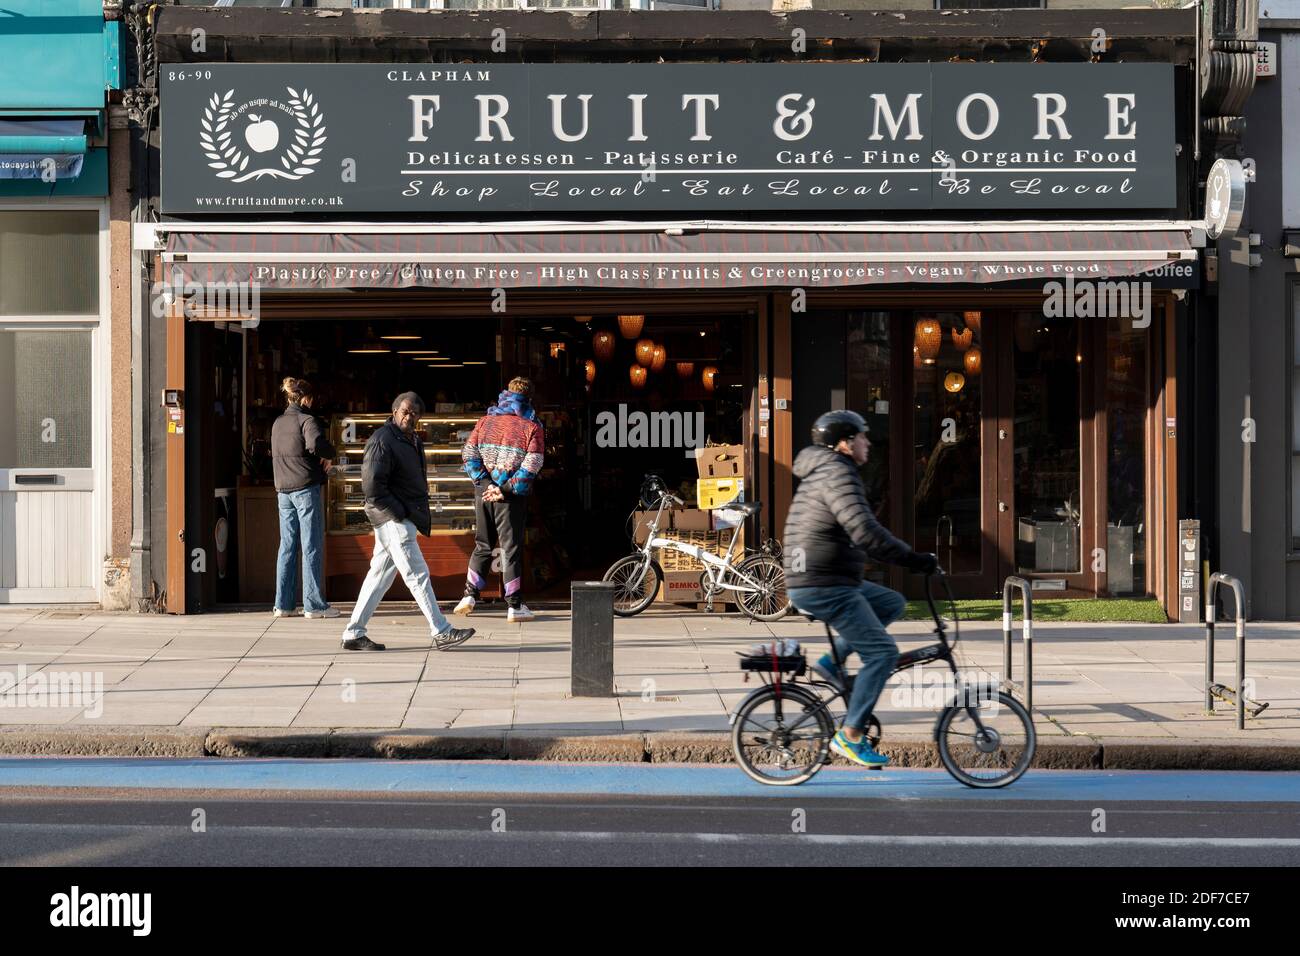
x=859, y=617
x=302, y=525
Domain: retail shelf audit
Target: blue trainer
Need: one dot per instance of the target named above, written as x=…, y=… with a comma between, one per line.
x=860, y=753
x=827, y=671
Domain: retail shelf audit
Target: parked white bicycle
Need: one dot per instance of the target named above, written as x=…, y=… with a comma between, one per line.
x=757, y=578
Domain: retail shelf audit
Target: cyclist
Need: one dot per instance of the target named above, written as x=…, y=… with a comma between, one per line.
x=829, y=534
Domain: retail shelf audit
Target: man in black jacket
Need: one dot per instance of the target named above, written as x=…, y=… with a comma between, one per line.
x=829, y=535
x=395, y=481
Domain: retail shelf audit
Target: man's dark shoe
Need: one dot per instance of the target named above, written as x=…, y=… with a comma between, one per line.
x=362, y=644
x=453, y=638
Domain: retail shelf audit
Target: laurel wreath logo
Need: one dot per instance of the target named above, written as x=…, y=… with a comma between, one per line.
x=228, y=158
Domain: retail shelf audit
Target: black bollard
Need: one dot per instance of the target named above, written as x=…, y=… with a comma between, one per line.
x=592, y=639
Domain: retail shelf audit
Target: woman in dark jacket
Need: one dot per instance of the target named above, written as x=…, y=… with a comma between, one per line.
x=301, y=457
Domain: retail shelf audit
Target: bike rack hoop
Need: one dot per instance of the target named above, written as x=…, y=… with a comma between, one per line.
x=1026, y=593
x=1238, y=591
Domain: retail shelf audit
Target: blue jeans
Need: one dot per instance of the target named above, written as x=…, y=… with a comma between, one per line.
x=397, y=551
x=302, y=523
x=859, y=617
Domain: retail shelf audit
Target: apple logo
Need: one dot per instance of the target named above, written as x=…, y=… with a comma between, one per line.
x=262, y=135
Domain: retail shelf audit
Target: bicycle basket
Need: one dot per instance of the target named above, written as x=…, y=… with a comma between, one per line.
x=783, y=657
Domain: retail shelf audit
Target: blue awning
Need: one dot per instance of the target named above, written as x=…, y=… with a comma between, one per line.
x=42, y=148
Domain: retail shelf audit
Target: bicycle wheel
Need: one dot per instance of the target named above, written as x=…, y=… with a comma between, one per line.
x=770, y=602
x=781, y=739
x=993, y=752
x=636, y=581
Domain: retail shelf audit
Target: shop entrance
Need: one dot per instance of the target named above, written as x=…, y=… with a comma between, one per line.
x=621, y=394
x=1003, y=440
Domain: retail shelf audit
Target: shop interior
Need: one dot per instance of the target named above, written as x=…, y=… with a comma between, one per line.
x=592, y=374
x=980, y=420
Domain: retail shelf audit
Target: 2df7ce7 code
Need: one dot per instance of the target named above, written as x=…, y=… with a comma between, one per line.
x=1220, y=897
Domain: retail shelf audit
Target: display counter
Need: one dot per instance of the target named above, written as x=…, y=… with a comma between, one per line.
x=349, y=541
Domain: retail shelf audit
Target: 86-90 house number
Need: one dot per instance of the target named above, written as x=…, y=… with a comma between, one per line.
x=189, y=74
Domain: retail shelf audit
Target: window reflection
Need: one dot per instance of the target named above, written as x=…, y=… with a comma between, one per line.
x=947, y=389
x=1048, y=519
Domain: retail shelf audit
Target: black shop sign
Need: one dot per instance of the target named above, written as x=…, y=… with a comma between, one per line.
x=268, y=139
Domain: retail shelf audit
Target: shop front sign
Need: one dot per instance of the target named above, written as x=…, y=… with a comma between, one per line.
x=268, y=139
x=1225, y=197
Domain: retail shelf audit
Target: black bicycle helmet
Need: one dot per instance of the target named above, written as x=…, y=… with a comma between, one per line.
x=652, y=489
x=833, y=427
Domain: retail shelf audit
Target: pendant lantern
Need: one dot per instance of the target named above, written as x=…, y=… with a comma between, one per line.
x=645, y=352
x=630, y=325
x=929, y=336
x=602, y=344
x=658, y=359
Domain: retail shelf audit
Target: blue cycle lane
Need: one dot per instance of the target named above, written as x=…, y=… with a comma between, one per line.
x=548, y=779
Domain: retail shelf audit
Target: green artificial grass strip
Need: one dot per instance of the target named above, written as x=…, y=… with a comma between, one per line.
x=1125, y=610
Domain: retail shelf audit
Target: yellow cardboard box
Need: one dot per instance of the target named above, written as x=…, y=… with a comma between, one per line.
x=713, y=493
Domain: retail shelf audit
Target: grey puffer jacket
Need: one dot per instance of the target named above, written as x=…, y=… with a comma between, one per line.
x=831, y=531
x=297, y=446
x=394, y=479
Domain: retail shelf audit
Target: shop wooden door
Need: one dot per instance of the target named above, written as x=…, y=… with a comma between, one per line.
x=955, y=476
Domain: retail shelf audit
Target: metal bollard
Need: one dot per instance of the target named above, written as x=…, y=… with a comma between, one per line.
x=1026, y=593
x=591, y=671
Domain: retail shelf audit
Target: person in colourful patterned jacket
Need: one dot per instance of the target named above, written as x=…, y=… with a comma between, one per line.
x=503, y=456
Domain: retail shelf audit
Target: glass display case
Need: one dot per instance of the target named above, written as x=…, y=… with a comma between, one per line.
x=451, y=492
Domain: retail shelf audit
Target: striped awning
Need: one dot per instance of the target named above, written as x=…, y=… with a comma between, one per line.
x=673, y=259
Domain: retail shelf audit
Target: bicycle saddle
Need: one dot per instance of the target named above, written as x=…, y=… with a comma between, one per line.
x=746, y=507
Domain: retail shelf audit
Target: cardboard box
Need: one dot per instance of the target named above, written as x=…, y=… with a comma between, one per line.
x=681, y=587
x=720, y=461
x=713, y=493
x=691, y=519
x=642, y=524
x=725, y=518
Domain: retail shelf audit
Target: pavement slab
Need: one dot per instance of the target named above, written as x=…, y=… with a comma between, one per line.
x=676, y=681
